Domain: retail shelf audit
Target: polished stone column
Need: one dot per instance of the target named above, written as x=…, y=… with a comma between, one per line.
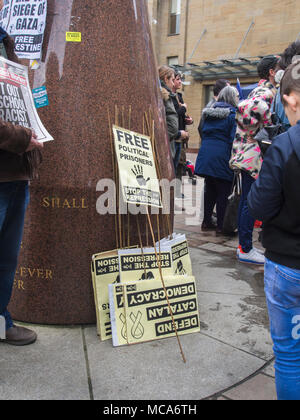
x=112, y=65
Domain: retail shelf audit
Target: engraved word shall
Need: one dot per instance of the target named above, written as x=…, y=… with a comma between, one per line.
x=64, y=203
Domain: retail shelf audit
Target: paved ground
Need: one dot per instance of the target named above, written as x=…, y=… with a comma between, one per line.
x=231, y=358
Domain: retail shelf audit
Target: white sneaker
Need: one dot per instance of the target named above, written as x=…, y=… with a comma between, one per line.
x=251, y=257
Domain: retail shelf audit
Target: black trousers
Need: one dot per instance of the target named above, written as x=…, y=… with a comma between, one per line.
x=216, y=192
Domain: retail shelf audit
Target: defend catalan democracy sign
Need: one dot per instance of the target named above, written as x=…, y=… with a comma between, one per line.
x=137, y=170
x=139, y=311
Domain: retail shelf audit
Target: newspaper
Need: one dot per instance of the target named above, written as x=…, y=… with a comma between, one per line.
x=16, y=101
x=25, y=22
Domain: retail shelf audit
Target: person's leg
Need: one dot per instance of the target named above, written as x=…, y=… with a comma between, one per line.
x=282, y=288
x=178, y=146
x=246, y=221
x=210, y=195
x=223, y=192
x=14, y=198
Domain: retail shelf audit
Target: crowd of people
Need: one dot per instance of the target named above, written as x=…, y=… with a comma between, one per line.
x=232, y=151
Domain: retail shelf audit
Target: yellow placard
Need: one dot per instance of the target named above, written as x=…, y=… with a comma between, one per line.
x=139, y=310
x=73, y=36
x=105, y=270
x=142, y=264
x=182, y=264
x=138, y=177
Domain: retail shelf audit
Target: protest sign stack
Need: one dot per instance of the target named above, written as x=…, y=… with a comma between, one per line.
x=142, y=292
x=130, y=299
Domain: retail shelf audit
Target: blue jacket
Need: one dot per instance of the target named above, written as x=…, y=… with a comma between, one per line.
x=278, y=108
x=217, y=132
x=275, y=199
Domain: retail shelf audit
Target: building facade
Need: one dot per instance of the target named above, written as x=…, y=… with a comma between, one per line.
x=211, y=39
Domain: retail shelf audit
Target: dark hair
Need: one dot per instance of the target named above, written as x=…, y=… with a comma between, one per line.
x=265, y=65
x=288, y=54
x=290, y=80
x=219, y=85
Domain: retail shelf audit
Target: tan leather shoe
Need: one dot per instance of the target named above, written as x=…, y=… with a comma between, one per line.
x=19, y=336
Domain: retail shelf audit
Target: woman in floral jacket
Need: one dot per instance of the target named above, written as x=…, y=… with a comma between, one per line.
x=253, y=114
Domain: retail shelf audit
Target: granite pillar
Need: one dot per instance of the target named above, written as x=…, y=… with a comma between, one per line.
x=112, y=65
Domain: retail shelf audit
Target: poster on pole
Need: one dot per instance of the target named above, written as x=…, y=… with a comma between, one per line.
x=137, y=171
x=16, y=101
x=25, y=22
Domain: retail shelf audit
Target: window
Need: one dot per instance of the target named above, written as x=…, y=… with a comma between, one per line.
x=173, y=61
x=208, y=94
x=174, y=17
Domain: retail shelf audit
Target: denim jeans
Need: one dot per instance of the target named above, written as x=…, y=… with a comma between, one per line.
x=282, y=288
x=14, y=197
x=178, y=147
x=245, y=220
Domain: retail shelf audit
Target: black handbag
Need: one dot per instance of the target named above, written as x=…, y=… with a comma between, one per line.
x=266, y=135
x=230, y=223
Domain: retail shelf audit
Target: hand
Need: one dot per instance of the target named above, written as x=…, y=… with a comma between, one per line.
x=184, y=135
x=34, y=143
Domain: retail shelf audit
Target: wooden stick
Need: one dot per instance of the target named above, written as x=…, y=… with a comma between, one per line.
x=141, y=244
x=114, y=173
x=164, y=287
x=118, y=189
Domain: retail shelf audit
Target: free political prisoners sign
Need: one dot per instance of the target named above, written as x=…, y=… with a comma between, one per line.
x=25, y=21
x=138, y=177
x=16, y=101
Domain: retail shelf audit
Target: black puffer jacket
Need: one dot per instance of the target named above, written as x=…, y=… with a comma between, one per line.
x=275, y=199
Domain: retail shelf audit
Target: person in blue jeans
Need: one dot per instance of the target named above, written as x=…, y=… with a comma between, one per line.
x=19, y=159
x=275, y=199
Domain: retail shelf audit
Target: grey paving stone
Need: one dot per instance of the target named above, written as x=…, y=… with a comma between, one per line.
x=260, y=387
x=155, y=370
x=53, y=368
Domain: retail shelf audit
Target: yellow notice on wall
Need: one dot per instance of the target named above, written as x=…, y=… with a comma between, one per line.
x=105, y=270
x=138, y=177
x=142, y=264
x=139, y=310
x=73, y=36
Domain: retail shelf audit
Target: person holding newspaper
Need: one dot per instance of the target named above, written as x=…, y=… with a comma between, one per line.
x=19, y=158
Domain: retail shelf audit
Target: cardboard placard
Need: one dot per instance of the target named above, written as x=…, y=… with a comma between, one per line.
x=105, y=270
x=25, y=22
x=139, y=311
x=142, y=264
x=137, y=171
x=181, y=260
